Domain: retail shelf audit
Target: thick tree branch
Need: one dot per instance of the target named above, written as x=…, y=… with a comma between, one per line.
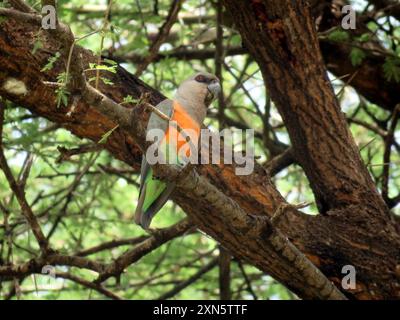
x=281, y=36
x=21, y=5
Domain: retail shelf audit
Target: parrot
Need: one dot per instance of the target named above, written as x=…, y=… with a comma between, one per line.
x=188, y=110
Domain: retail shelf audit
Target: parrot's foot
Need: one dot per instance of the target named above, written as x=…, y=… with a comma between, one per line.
x=179, y=168
x=182, y=165
x=185, y=167
x=282, y=210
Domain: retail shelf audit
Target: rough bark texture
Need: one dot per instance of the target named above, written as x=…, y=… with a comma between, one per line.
x=354, y=228
x=281, y=37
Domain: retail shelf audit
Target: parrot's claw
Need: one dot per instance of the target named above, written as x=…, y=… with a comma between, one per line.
x=178, y=166
x=182, y=164
x=182, y=170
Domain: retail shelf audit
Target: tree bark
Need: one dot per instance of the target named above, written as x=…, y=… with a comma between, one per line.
x=281, y=36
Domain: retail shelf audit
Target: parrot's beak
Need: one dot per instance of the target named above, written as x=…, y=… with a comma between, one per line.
x=214, y=88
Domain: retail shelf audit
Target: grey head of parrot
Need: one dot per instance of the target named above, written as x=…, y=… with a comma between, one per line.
x=197, y=92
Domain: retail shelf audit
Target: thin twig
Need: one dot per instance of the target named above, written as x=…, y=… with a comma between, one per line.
x=91, y=285
x=20, y=195
x=103, y=29
x=161, y=36
x=184, y=284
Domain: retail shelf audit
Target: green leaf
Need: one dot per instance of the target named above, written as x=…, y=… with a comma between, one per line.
x=36, y=46
x=112, y=68
x=129, y=99
x=50, y=64
x=107, y=68
x=357, y=56
x=391, y=69
x=62, y=78
x=338, y=35
x=105, y=136
x=111, y=62
x=62, y=96
x=106, y=81
x=365, y=37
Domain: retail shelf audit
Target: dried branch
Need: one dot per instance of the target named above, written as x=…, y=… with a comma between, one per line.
x=389, y=141
x=219, y=62
x=247, y=281
x=91, y=285
x=70, y=191
x=66, y=154
x=157, y=239
x=111, y=245
x=280, y=162
x=181, y=54
x=162, y=35
x=21, y=6
x=20, y=195
x=21, y=16
x=36, y=265
x=224, y=262
x=184, y=284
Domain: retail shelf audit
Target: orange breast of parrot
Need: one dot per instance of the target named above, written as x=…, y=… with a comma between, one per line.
x=189, y=127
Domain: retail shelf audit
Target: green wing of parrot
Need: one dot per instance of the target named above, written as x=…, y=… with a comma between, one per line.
x=153, y=193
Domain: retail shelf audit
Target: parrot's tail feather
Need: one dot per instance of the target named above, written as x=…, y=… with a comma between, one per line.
x=144, y=218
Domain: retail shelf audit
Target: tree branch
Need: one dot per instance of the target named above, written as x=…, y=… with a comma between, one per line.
x=184, y=284
x=91, y=285
x=20, y=195
x=162, y=35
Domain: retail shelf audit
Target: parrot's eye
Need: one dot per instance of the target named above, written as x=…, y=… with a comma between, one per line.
x=201, y=78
